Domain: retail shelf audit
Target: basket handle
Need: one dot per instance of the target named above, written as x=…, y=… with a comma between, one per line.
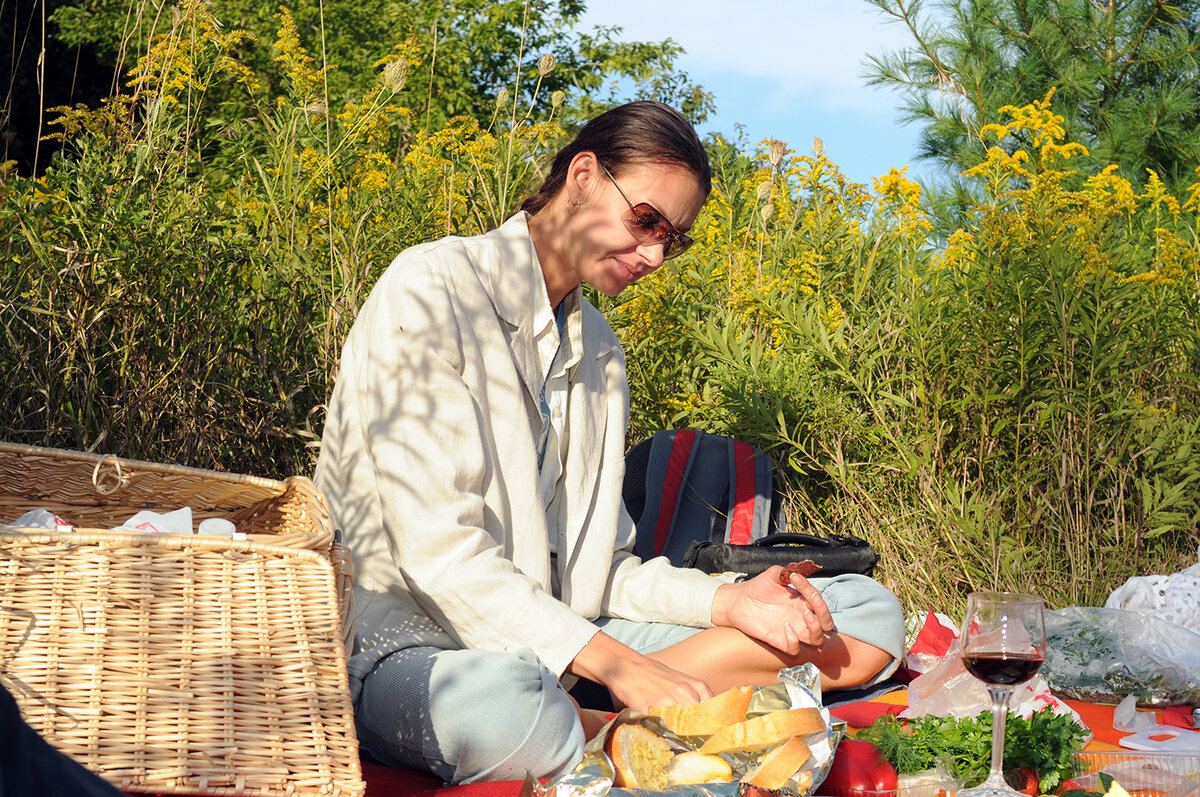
x=109, y=483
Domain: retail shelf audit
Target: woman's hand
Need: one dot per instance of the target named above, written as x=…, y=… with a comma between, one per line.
x=786, y=617
x=635, y=680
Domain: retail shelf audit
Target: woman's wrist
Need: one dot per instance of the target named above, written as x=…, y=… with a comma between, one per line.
x=601, y=659
x=722, y=598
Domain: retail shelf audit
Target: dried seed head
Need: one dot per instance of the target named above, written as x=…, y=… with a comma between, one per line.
x=502, y=98
x=557, y=98
x=775, y=149
x=546, y=64
x=818, y=146
x=763, y=191
x=395, y=74
x=765, y=211
x=318, y=108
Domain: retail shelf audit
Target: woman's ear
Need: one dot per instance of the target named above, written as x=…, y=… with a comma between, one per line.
x=582, y=178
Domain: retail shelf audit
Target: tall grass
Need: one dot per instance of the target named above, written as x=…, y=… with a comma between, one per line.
x=1015, y=406
x=178, y=287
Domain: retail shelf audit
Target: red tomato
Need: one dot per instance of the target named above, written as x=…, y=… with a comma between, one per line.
x=1067, y=785
x=1023, y=780
x=859, y=767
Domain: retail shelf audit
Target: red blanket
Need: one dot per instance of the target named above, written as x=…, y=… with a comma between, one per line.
x=390, y=781
x=385, y=781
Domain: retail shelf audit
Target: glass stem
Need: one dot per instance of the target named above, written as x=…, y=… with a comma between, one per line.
x=1000, y=695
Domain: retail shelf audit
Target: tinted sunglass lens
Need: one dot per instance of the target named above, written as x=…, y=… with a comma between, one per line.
x=676, y=245
x=650, y=225
x=648, y=219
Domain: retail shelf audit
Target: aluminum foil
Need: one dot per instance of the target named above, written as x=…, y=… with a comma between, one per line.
x=798, y=687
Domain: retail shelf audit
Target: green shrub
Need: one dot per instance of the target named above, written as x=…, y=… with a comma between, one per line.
x=1015, y=408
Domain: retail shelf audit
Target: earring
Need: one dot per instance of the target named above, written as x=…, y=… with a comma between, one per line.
x=573, y=206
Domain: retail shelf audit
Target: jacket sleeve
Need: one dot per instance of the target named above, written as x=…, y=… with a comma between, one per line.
x=656, y=590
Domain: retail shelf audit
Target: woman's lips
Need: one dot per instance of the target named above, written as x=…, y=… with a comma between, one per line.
x=631, y=275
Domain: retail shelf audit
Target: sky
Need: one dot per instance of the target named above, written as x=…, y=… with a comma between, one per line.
x=787, y=69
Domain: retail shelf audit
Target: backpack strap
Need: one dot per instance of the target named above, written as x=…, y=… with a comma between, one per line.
x=671, y=455
x=744, y=508
x=682, y=485
x=752, y=495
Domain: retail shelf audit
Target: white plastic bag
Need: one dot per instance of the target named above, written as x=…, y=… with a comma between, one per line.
x=41, y=519
x=178, y=521
x=1174, y=598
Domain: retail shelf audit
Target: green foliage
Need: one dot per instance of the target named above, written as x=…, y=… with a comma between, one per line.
x=179, y=286
x=1126, y=74
x=1015, y=407
x=1045, y=743
x=1011, y=402
x=459, y=54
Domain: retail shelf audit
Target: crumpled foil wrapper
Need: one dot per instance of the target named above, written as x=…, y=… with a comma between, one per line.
x=798, y=687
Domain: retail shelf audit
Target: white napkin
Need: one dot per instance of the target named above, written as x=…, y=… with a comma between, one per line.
x=1126, y=717
x=146, y=522
x=41, y=519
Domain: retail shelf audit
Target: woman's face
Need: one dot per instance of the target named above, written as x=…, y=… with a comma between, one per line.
x=604, y=249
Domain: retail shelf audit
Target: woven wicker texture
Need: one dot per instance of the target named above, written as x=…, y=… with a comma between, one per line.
x=180, y=665
x=101, y=492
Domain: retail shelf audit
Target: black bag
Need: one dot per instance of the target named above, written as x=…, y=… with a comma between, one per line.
x=714, y=503
x=836, y=554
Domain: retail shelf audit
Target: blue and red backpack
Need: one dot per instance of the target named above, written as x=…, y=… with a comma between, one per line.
x=683, y=485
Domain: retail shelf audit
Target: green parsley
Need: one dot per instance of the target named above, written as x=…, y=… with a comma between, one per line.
x=1045, y=744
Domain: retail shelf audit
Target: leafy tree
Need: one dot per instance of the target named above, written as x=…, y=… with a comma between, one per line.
x=466, y=50
x=1126, y=76
x=43, y=71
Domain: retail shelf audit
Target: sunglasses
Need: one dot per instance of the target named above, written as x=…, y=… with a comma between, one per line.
x=649, y=226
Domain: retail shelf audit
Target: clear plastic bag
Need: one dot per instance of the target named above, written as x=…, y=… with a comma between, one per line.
x=1104, y=655
x=944, y=688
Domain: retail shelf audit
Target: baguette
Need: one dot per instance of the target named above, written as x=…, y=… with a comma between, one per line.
x=693, y=767
x=708, y=717
x=778, y=765
x=765, y=731
x=639, y=757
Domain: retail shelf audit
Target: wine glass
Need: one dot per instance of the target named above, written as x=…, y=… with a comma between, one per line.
x=1003, y=645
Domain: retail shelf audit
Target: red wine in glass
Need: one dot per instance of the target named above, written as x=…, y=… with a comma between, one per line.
x=1003, y=643
x=1007, y=669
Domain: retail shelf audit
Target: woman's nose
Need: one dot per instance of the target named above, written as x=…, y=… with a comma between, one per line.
x=652, y=254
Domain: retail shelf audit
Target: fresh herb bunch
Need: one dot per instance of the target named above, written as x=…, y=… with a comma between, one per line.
x=1045, y=744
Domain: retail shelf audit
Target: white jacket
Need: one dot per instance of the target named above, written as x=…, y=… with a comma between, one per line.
x=428, y=461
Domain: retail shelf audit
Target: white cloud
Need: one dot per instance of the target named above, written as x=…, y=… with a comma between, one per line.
x=789, y=69
x=815, y=48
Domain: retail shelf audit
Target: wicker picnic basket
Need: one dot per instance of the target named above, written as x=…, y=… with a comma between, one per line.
x=179, y=665
x=102, y=491
x=171, y=663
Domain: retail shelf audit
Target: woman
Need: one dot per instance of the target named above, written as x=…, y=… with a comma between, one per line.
x=473, y=455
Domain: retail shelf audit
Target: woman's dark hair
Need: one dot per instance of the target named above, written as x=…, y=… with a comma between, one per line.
x=638, y=132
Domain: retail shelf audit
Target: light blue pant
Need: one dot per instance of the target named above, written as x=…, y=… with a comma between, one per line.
x=477, y=715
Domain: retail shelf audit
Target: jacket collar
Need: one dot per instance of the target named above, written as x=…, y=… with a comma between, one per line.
x=505, y=261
